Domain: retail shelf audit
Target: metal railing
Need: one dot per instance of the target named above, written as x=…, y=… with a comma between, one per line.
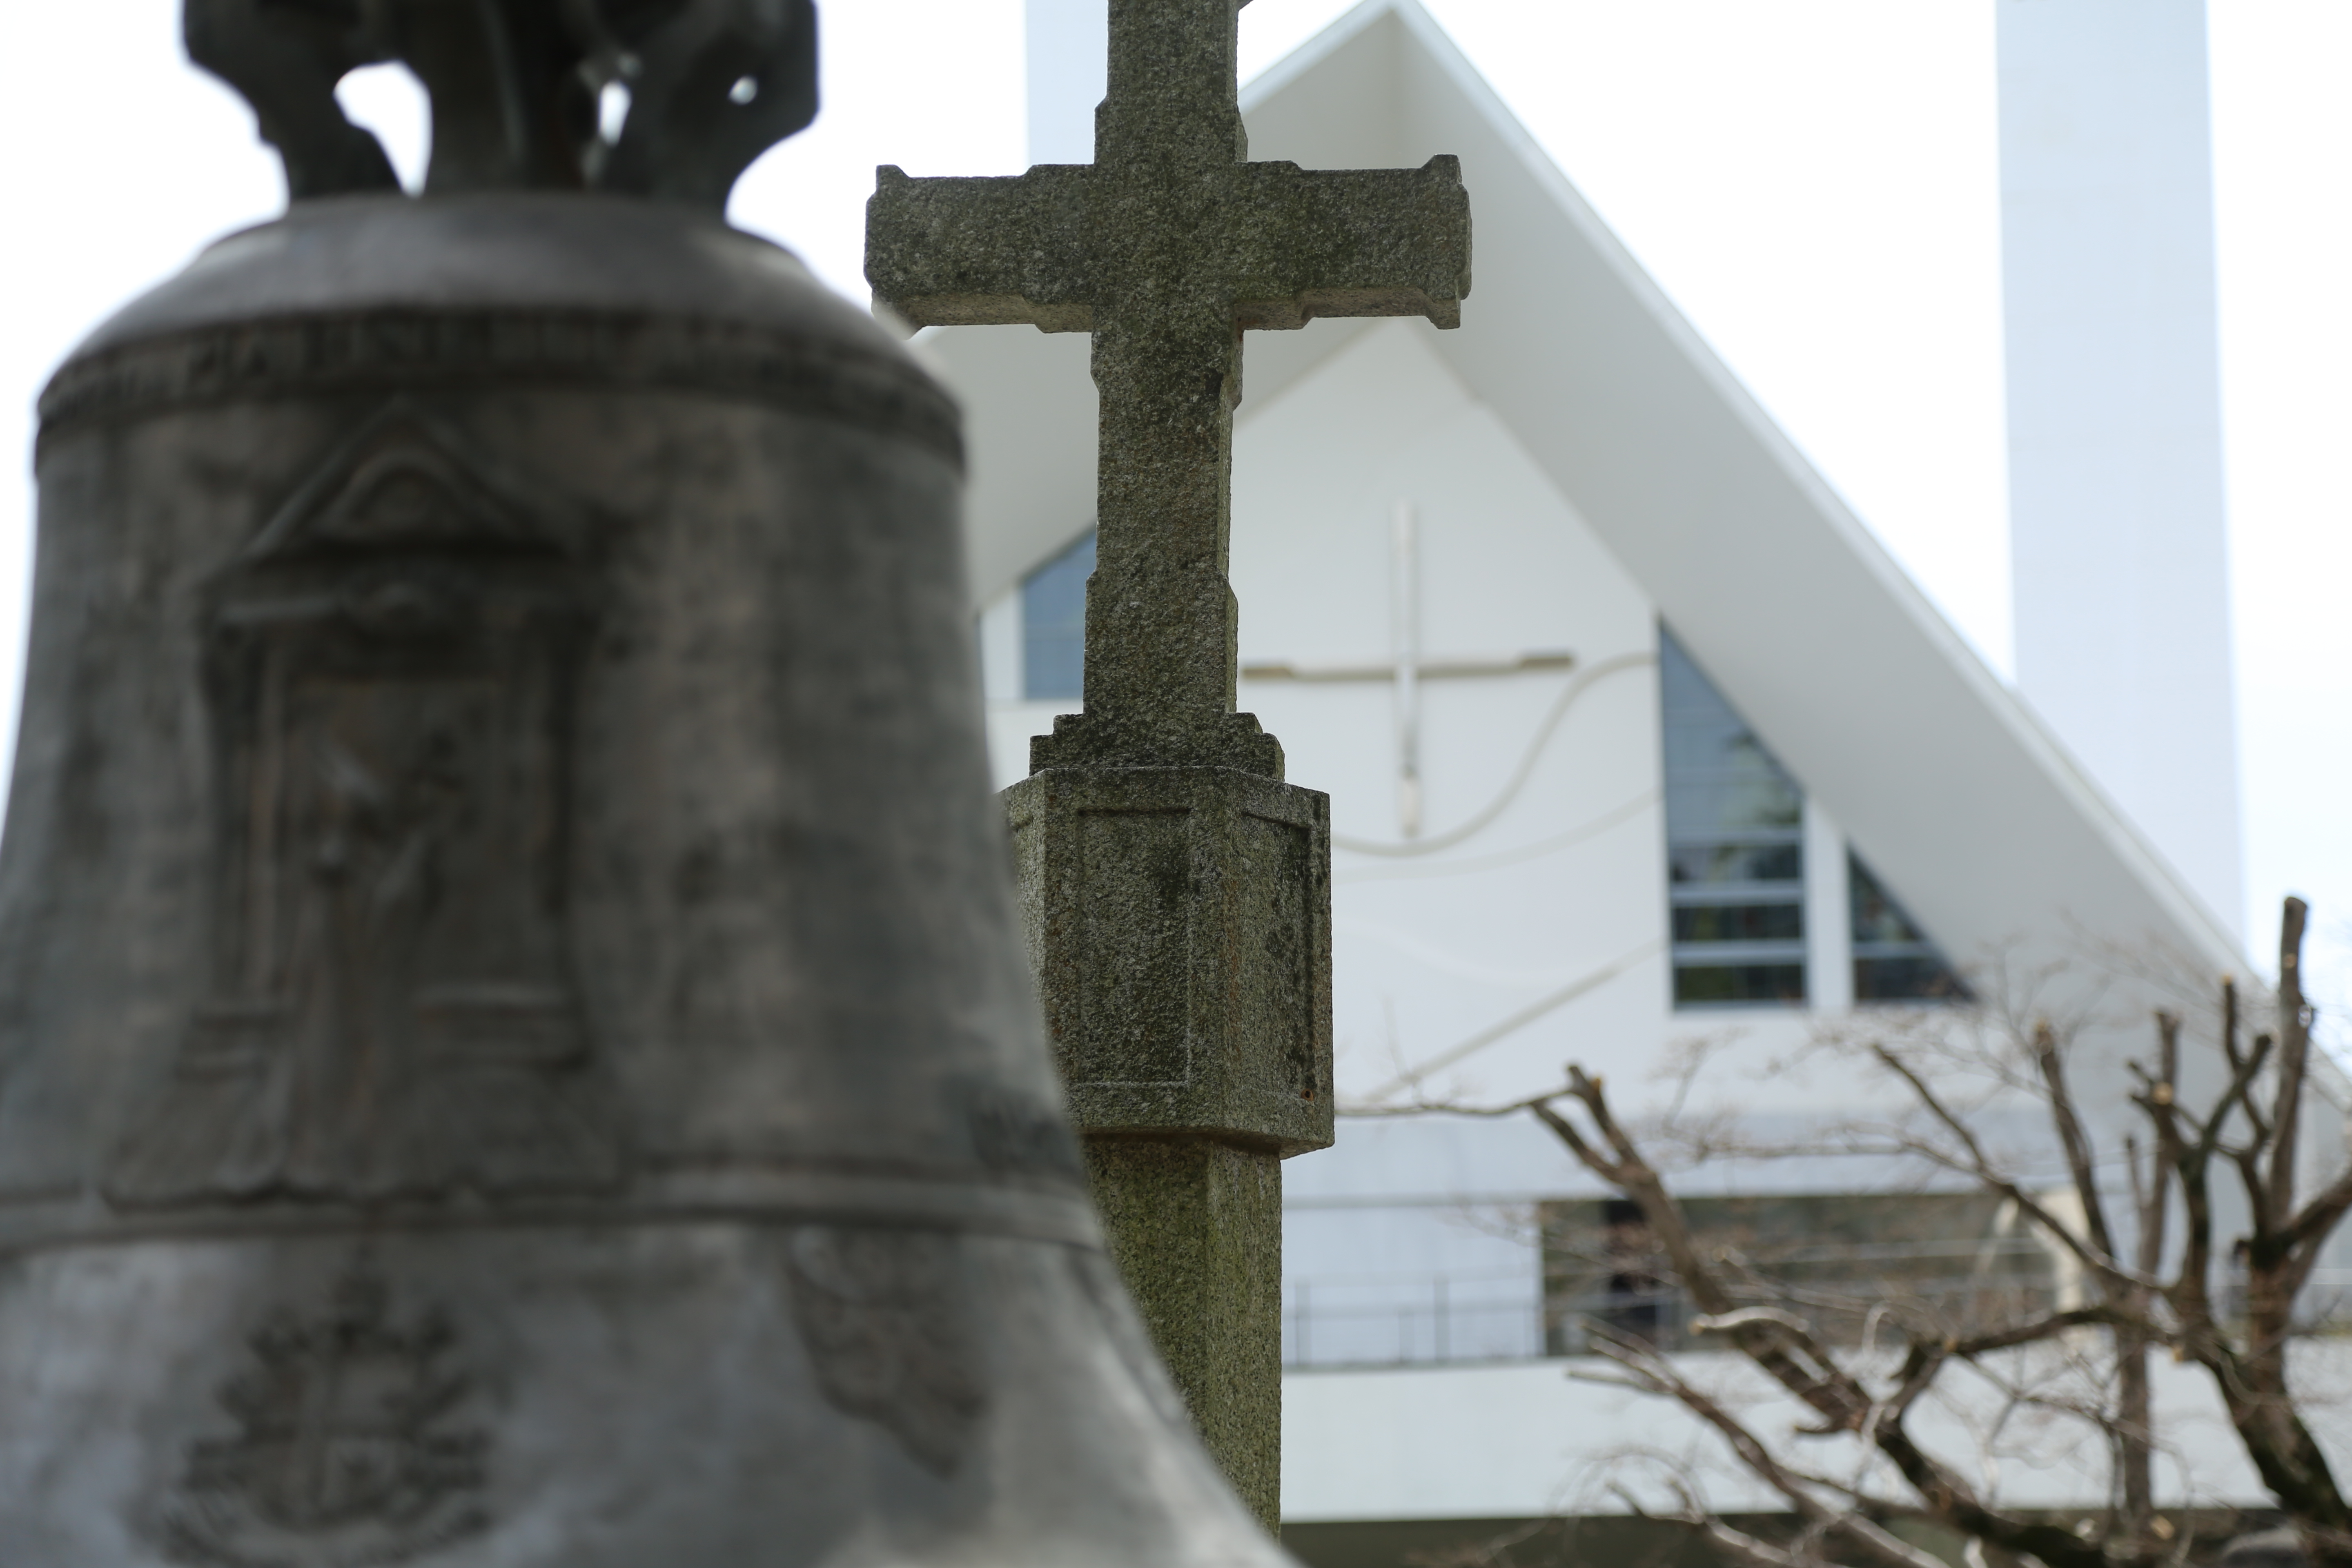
x=1411, y=1320
x=1405, y=1319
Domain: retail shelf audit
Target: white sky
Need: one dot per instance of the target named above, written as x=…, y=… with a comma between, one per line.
x=1812, y=180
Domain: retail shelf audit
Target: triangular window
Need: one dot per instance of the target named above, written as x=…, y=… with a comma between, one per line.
x=1892, y=959
x=1735, y=848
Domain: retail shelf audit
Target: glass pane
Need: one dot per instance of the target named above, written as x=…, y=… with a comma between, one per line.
x=1877, y=916
x=1736, y=862
x=1735, y=844
x=1892, y=959
x=1906, y=980
x=1740, y=922
x=1740, y=983
x=1053, y=625
x=1719, y=778
x=1961, y=1260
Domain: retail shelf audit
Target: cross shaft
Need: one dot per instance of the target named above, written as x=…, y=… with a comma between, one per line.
x=1166, y=248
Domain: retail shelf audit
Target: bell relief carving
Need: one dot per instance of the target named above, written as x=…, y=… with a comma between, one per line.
x=886, y=1320
x=388, y=670
x=351, y=1443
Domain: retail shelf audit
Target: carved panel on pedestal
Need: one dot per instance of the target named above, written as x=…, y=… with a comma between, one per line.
x=388, y=670
x=1134, y=1002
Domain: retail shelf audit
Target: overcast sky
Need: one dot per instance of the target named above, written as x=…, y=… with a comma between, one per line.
x=1812, y=180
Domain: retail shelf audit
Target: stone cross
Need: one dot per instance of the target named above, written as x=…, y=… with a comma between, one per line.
x=1177, y=893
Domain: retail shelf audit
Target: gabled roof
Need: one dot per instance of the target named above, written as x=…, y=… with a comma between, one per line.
x=1948, y=787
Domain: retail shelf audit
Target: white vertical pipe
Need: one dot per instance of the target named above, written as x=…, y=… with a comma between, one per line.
x=1404, y=628
x=2118, y=538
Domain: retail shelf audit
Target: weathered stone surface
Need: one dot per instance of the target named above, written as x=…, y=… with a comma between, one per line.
x=1195, y=1228
x=1180, y=922
x=1160, y=897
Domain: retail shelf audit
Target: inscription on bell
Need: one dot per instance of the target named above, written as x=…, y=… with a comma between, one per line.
x=388, y=675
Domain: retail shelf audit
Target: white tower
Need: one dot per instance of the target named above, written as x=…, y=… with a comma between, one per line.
x=2118, y=542
x=1068, y=61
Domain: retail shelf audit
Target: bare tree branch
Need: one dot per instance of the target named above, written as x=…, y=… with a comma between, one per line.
x=1790, y=1352
x=1980, y=1165
x=2086, y=1364
x=2072, y=1139
x=2104, y=1315
x=1759, y=1458
x=2295, y=1056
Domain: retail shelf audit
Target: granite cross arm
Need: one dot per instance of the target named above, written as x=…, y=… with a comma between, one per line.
x=1072, y=248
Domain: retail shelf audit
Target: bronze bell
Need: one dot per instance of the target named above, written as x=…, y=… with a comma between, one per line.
x=514, y=1048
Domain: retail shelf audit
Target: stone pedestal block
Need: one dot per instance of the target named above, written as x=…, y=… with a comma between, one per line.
x=1180, y=921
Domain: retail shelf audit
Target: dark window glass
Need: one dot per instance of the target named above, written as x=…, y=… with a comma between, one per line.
x=1735, y=848
x=1635, y=1293
x=1053, y=624
x=1964, y=1261
x=1699, y=984
x=1906, y=980
x=1736, y=862
x=1892, y=959
x=1738, y=922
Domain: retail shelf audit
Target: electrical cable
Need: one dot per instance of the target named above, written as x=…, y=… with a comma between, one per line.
x=1501, y=858
x=1528, y=1014
x=1576, y=688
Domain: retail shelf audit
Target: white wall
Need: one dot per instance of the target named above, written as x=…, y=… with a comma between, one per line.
x=1529, y=1440
x=1432, y=948
x=1068, y=58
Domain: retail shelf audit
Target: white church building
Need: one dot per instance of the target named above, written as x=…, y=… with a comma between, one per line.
x=1637, y=741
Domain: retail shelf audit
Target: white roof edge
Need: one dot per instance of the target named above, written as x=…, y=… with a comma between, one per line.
x=2025, y=727
x=1323, y=45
